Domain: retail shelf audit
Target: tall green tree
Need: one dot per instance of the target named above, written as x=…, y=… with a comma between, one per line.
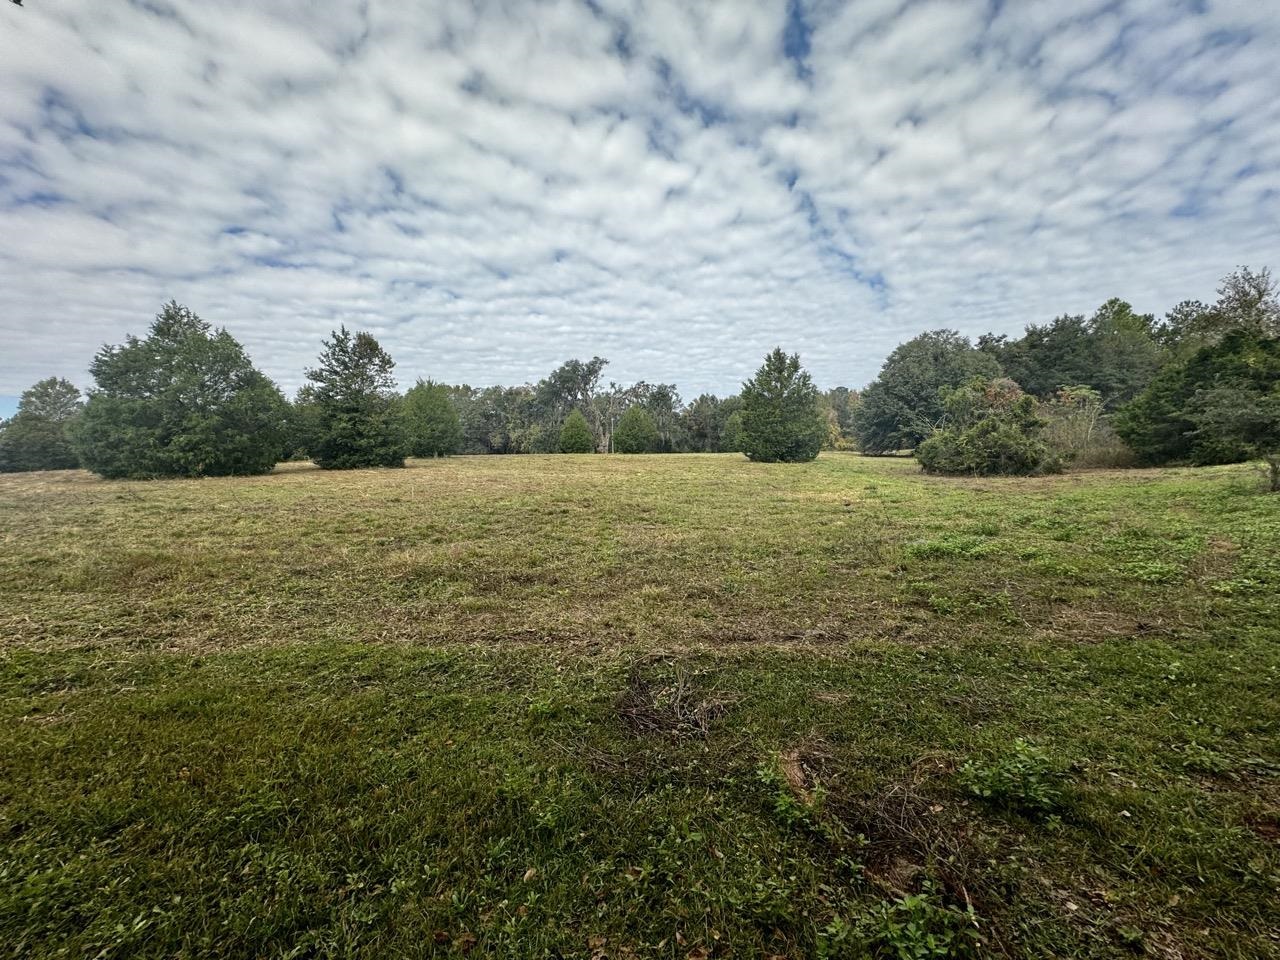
x=1245, y=414
x=1248, y=302
x=36, y=437
x=357, y=412
x=1173, y=422
x=780, y=418
x=571, y=386
x=636, y=432
x=1125, y=350
x=185, y=401
x=575, y=435
x=904, y=404
x=431, y=421
x=733, y=440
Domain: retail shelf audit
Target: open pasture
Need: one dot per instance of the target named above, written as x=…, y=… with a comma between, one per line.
x=652, y=706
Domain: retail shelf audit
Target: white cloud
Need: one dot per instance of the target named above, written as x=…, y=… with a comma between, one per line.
x=494, y=187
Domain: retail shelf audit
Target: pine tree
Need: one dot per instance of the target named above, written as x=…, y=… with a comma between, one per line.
x=575, y=435
x=636, y=432
x=357, y=414
x=780, y=418
x=183, y=402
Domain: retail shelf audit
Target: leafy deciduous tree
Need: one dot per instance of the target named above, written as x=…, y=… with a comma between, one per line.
x=431, y=421
x=904, y=404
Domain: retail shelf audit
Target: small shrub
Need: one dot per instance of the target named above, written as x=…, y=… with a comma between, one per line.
x=1024, y=779
x=575, y=435
x=918, y=926
x=636, y=432
x=992, y=429
x=786, y=805
x=951, y=546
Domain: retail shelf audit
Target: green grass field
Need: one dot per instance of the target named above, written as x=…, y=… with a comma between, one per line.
x=624, y=707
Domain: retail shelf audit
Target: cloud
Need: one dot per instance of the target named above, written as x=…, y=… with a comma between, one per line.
x=494, y=187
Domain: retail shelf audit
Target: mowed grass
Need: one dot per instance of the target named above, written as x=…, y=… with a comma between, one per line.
x=612, y=707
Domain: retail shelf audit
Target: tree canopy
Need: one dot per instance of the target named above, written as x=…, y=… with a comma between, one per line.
x=36, y=438
x=185, y=401
x=904, y=404
x=431, y=421
x=1173, y=420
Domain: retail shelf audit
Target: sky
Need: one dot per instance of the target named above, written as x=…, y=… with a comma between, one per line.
x=492, y=188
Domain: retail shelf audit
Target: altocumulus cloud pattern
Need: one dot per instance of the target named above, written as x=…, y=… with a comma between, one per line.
x=491, y=188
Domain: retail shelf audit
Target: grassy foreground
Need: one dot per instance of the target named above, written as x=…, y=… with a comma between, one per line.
x=613, y=707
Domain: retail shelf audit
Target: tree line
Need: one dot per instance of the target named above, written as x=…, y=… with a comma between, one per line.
x=1201, y=385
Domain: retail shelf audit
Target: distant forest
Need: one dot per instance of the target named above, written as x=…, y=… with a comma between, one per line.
x=1200, y=385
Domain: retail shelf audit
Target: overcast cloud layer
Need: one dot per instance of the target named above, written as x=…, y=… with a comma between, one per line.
x=493, y=188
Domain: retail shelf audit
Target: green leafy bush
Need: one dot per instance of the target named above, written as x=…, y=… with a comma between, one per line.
x=992, y=428
x=917, y=926
x=1024, y=779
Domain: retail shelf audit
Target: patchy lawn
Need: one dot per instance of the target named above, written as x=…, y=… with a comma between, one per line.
x=668, y=706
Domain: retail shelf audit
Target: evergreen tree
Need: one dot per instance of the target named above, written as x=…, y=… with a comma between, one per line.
x=732, y=440
x=183, y=402
x=431, y=421
x=575, y=435
x=780, y=418
x=357, y=413
x=1173, y=420
x=36, y=438
x=636, y=432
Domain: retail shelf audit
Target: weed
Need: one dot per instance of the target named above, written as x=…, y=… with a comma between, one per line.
x=1023, y=778
x=917, y=926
